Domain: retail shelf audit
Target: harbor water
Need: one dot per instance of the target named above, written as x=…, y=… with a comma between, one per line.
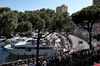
x=6, y=57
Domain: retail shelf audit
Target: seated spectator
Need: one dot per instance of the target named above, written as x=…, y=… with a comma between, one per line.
x=59, y=57
x=48, y=61
x=45, y=62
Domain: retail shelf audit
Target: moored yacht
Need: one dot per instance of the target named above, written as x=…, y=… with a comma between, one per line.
x=29, y=47
x=15, y=40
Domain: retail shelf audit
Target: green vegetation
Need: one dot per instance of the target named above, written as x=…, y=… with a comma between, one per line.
x=24, y=27
x=8, y=23
x=43, y=20
x=87, y=17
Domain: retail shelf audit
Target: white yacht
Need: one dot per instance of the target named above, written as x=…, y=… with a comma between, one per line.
x=15, y=39
x=29, y=47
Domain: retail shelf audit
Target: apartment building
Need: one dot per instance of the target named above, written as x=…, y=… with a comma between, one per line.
x=62, y=8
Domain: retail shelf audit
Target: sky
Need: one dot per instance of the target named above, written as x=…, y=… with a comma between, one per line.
x=30, y=5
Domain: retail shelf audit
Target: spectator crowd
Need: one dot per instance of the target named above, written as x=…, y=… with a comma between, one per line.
x=95, y=29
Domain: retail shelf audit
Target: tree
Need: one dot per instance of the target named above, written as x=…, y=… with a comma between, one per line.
x=21, y=17
x=24, y=27
x=62, y=23
x=68, y=24
x=87, y=16
x=4, y=9
x=39, y=26
x=8, y=23
x=50, y=12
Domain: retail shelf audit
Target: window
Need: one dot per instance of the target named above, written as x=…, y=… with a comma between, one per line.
x=49, y=47
x=33, y=47
x=42, y=47
x=45, y=48
x=19, y=47
x=22, y=47
x=28, y=49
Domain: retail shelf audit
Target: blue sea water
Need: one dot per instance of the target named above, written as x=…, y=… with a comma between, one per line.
x=6, y=57
x=3, y=55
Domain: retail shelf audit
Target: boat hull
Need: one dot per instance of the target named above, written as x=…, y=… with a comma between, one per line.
x=29, y=52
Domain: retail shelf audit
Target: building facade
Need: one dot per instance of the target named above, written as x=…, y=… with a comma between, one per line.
x=96, y=2
x=62, y=8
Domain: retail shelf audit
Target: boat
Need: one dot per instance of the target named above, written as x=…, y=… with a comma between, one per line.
x=29, y=47
x=15, y=39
